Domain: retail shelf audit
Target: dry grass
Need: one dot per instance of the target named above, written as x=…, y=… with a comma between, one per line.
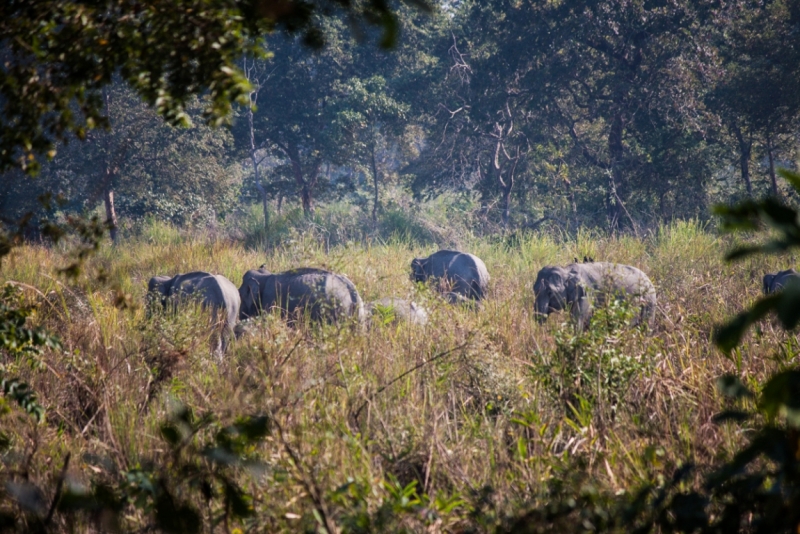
x=482, y=418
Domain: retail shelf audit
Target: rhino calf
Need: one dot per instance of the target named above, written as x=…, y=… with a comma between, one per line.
x=391, y=310
x=459, y=273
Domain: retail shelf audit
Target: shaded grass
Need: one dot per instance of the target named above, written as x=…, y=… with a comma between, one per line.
x=477, y=422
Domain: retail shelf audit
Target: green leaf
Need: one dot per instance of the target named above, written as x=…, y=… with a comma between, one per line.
x=736, y=416
x=178, y=519
x=240, y=502
x=793, y=177
x=254, y=428
x=729, y=335
x=171, y=435
x=781, y=394
x=731, y=386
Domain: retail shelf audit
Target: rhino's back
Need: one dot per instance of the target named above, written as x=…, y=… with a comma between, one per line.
x=460, y=267
x=320, y=291
x=606, y=276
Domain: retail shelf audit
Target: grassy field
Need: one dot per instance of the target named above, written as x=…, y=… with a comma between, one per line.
x=452, y=427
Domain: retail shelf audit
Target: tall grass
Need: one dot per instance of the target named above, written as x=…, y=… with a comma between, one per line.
x=498, y=413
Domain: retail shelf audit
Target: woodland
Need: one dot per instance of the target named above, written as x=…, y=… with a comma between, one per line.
x=609, y=115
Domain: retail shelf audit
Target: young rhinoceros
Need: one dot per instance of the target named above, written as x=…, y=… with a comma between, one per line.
x=395, y=310
x=460, y=274
x=324, y=295
x=775, y=282
x=581, y=286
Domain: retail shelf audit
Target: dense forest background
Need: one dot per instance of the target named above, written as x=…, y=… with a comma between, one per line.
x=499, y=115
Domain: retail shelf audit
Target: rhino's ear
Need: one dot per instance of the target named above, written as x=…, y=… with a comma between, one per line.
x=418, y=270
x=768, y=278
x=573, y=289
x=253, y=294
x=161, y=284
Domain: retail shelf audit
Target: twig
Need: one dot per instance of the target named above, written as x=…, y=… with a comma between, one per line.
x=308, y=482
x=406, y=373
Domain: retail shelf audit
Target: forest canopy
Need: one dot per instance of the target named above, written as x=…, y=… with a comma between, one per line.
x=610, y=114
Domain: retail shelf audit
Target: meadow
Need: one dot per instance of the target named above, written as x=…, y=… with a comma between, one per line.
x=458, y=426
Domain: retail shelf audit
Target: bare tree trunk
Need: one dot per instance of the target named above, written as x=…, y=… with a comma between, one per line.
x=108, y=178
x=771, y=154
x=375, y=178
x=261, y=189
x=615, y=152
x=306, y=183
x=253, y=98
x=111, y=214
x=745, y=149
x=507, y=204
x=485, y=184
x=508, y=184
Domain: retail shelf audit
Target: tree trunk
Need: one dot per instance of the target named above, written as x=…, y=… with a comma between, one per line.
x=745, y=148
x=108, y=176
x=771, y=154
x=485, y=187
x=261, y=189
x=615, y=152
x=306, y=184
x=111, y=213
x=307, y=200
x=506, y=203
x=375, y=179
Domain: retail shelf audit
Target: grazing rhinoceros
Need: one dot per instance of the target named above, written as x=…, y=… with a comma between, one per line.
x=775, y=282
x=459, y=274
x=324, y=295
x=580, y=286
x=213, y=291
x=394, y=310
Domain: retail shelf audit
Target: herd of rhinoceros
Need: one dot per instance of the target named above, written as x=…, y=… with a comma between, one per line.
x=324, y=296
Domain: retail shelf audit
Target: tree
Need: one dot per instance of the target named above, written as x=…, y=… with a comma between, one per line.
x=755, y=93
x=140, y=166
x=57, y=55
x=295, y=119
x=608, y=72
x=255, y=71
x=603, y=88
x=367, y=115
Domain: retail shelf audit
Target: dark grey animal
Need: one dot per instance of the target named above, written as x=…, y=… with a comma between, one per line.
x=324, y=295
x=775, y=282
x=213, y=291
x=580, y=286
x=459, y=273
x=395, y=310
